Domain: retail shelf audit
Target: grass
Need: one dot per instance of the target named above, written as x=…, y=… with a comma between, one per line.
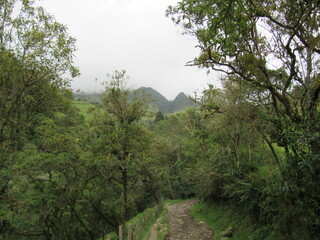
x=146, y=227
x=163, y=230
x=169, y=201
x=83, y=108
x=220, y=216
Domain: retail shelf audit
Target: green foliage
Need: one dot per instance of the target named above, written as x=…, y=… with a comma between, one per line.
x=221, y=216
x=159, y=117
x=48, y=177
x=66, y=173
x=121, y=143
x=281, y=101
x=171, y=153
x=30, y=99
x=145, y=219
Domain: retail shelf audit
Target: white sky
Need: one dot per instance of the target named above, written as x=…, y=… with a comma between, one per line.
x=133, y=35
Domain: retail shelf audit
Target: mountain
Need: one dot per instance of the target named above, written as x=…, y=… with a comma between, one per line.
x=157, y=100
x=181, y=102
x=165, y=106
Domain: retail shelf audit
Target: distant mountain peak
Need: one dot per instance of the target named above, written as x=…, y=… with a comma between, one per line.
x=180, y=102
x=181, y=95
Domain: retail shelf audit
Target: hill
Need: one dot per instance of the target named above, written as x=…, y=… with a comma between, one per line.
x=164, y=105
x=157, y=100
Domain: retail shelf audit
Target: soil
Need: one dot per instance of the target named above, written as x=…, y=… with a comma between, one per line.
x=182, y=225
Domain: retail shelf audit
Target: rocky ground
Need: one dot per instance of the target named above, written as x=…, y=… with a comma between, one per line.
x=182, y=225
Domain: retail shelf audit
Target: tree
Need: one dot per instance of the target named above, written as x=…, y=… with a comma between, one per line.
x=35, y=51
x=122, y=140
x=159, y=116
x=272, y=45
x=272, y=48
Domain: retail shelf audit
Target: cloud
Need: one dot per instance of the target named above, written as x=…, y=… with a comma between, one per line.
x=133, y=35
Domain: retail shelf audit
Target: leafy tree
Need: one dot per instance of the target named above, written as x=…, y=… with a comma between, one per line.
x=245, y=38
x=159, y=116
x=176, y=150
x=35, y=51
x=122, y=142
x=272, y=49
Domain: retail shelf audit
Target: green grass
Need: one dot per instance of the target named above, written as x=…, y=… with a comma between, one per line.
x=148, y=214
x=220, y=216
x=147, y=226
x=83, y=108
x=164, y=229
x=168, y=201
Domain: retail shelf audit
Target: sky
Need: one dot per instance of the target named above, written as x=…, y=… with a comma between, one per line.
x=131, y=35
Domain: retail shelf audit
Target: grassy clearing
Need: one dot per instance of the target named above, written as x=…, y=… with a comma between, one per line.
x=220, y=216
x=84, y=108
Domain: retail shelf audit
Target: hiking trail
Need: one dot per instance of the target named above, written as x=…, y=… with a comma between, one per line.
x=182, y=225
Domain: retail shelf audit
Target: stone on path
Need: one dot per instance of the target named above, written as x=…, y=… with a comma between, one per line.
x=185, y=227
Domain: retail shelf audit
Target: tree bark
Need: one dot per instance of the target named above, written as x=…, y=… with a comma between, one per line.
x=125, y=216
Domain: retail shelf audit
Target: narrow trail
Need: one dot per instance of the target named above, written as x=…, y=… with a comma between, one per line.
x=182, y=225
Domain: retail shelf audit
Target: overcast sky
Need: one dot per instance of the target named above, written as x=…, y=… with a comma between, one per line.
x=133, y=35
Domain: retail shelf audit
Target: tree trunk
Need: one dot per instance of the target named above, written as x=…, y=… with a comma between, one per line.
x=125, y=196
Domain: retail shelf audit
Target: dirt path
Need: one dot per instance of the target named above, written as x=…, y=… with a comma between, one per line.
x=182, y=225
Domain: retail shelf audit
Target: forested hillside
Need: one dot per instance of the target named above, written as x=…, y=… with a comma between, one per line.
x=70, y=170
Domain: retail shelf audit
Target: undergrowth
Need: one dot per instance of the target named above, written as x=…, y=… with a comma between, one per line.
x=220, y=216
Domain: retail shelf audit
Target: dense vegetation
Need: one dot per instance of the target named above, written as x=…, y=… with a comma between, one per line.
x=269, y=53
x=253, y=145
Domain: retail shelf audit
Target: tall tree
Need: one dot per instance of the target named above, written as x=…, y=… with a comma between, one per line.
x=272, y=45
x=35, y=51
x=122, y=140
x=273, y=49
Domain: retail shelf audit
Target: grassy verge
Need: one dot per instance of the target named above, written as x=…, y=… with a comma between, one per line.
x=220, y=217
x=163, y=229
x=140, y=225
x=147, y=226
